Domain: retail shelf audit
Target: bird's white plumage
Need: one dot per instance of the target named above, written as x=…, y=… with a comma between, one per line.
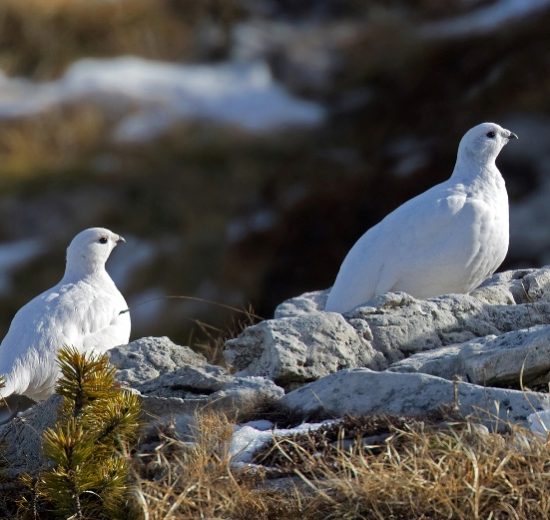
x=447, y=239
x=84, y=310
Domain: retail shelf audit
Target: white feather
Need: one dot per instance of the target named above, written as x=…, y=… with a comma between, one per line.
x=447, y=239
x=84, y=310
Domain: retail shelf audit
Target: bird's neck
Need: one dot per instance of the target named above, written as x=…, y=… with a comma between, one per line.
x=477, y=172
x=84, y=271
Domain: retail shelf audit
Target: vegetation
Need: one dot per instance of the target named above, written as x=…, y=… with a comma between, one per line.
x=88, y=445
x=423, y=469
x=159, y=29
x=436, y=467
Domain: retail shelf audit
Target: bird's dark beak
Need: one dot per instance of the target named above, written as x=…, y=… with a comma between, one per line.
x=121, y=239
x=512, y=136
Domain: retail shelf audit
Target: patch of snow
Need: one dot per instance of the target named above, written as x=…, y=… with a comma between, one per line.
x=15, y=254
x=150, y=96
x=485, y=19
x=260, y=424
x=247, y=440
x=312, y=53
x=241, y=227
x=539, y=423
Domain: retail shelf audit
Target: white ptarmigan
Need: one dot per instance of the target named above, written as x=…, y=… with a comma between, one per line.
x=445, y=240
x=84, y=310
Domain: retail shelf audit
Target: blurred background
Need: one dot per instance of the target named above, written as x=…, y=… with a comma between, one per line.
x=242, y=146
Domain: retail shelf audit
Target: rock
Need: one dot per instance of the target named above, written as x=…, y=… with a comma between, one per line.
x=191, y=388
x=173, y=383
x=304, y=304
x=174, y=380
x=517, y=357
x=301, y=348
x=303, y=342
x=363, y=391
x=21, y=438
x=147, y=358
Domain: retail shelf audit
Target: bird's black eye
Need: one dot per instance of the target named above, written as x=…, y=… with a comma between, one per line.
x=491, y=134
x=103, y=240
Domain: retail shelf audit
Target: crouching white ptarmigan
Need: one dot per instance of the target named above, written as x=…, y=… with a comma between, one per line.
x=446, y=240
x=84, y=310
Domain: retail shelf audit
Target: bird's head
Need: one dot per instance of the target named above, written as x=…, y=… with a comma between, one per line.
x=483, y=142
x=90, y=249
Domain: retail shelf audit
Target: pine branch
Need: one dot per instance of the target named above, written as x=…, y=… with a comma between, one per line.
x=89, y=442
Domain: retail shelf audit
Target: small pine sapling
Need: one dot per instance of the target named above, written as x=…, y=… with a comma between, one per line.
x=88, y=445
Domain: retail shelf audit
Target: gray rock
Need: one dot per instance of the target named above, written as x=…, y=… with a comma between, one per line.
x=21, y=438
x=189, y=389
x=303, y=342
x=173, y=383
x=363, y=391
x=147, y=358
x=304, y=304
x=301, y=348
x=516, y=357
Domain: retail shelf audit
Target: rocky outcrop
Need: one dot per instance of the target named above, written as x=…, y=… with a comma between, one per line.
x=174, y=379
x=362, y=391
x=303, y=343
x=393, y=356
x=21, y=438
x=302, y=348
x=173, y=382
x=145, y=359
x=521, y=356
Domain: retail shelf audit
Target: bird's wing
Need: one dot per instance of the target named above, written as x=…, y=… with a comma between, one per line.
x=104, y=319
x=116, y=332
x=76, y=315
x=377, y=260
x=439, y=240
x=27, y=352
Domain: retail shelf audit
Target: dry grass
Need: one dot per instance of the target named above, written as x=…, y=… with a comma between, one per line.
x=211, y=342
x=40, y=38
x=458, y=473
x=181, y=481
x=59, y=140
x=421, y=470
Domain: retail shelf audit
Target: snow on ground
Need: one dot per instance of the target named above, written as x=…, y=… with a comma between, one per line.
x=159, y=94
x=249, y=438
x=485, y=19
x=539, y=423
x=241, y=227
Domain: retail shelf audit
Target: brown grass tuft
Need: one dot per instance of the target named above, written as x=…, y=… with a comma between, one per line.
x=196, y=481
x=455, y=470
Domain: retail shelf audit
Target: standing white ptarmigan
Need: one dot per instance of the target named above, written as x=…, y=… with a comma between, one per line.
x=446, y=240
x=84, y=310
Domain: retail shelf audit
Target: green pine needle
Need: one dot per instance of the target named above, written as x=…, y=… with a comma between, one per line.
x=88, y=444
